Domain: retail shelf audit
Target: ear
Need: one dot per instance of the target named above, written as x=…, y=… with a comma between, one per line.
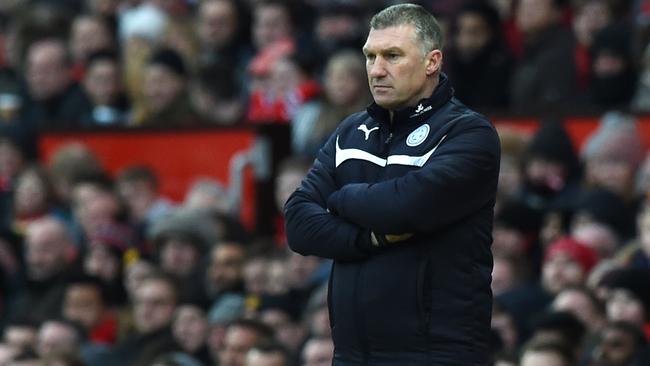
x=434, y=62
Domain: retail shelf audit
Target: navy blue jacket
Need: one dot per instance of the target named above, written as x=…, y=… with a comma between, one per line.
x=432, y=172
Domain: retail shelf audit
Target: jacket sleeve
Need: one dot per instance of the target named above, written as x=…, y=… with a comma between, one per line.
x=311, y=229
x=459, y=178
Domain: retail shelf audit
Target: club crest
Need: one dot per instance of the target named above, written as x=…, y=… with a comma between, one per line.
x=418, y=136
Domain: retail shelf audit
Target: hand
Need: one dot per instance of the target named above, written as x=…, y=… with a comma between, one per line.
x=380, y=240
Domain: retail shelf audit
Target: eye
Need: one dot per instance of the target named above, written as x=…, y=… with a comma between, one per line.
x=392, y=56
x=370, y=58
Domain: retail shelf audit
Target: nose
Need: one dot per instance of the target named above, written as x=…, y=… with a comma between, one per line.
x=377, y=69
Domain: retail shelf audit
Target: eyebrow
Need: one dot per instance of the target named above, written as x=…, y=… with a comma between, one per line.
x=365, y=50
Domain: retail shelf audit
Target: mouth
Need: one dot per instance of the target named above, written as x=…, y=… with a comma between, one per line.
x=381, y=87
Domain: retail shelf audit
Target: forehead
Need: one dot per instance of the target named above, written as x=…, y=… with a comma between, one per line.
x=399, y=36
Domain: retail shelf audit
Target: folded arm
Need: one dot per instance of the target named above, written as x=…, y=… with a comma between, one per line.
x=459, y=178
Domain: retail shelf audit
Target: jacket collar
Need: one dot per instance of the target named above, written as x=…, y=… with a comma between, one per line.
x=421, y=112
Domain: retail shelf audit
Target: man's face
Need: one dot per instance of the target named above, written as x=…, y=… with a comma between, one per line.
x=258, y=358
x=179, y=256
x=88, y=35
x=161, y=87
x=154, y=306
x=190, y=327
x=535, y=15
x=56, y=338
x=238, y=341
x=542, y=358
x=559, y=272
x=217, y=23
x=226, y=267
x=102, y=82
x=83, y=304
x=47, y=73
x=46, y=247
x=270, y=23
x=473, y=34
x=397, y=69
x=616, y=347
x=318, y=353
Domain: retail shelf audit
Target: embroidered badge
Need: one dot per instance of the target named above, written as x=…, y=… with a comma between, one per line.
x=418, y=136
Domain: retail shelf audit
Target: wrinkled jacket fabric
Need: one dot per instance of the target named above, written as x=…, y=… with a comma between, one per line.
x=431, y=172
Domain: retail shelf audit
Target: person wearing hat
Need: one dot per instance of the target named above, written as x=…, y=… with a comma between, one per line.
x=165, y=92
x=180, y=241
x=627, y=295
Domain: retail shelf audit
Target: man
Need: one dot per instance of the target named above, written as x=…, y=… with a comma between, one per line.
x=241, y=336
x=153, y=311
x=53, y=98
x=49, y=251
x=402, y=197
x=57, y=337
x=271, y=354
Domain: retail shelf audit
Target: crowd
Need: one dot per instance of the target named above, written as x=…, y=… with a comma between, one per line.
x=104, y=270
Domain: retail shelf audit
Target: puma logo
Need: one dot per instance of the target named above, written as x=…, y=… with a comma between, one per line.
x=366, y=131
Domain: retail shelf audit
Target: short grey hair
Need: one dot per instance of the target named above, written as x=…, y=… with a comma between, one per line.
x=427, y=29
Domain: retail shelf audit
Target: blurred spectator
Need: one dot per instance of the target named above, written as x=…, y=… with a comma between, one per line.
x=222, y=37
x=551, y=167
x=84, y=302
x=218, y=96
x=584, y=305
x=590, y=17
x=154, y=304
x=20, y=334
x=270, y=354
x=140, y=189
x=290, y=173
x=614, y=76
x=102, y=85
x=33, y=197
x=478, y=62
x=49, y=251
x=567, y=263
x=103, y=258
x=612, y=155
x=57, y=337
x=620, y=344
x=190, y=329
x=207, y=194
x=272, y=22
x=94, y=204
x=318, y=352
x=283, y=82
x=561, y=327
x=68, y=163
x=337, y=28
x=88, y=34
x=166, y=92
x=181, y=241
x=641, y=101
x=513, y=147
x=627, y=295
x=242, y=336
x=507, y=273
x=545, y=76
x=546, y=354
x=636, y=254
x=225, y=274
x=345, y=92
x=176, y=359
x=53, y=100
x=504, y=325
